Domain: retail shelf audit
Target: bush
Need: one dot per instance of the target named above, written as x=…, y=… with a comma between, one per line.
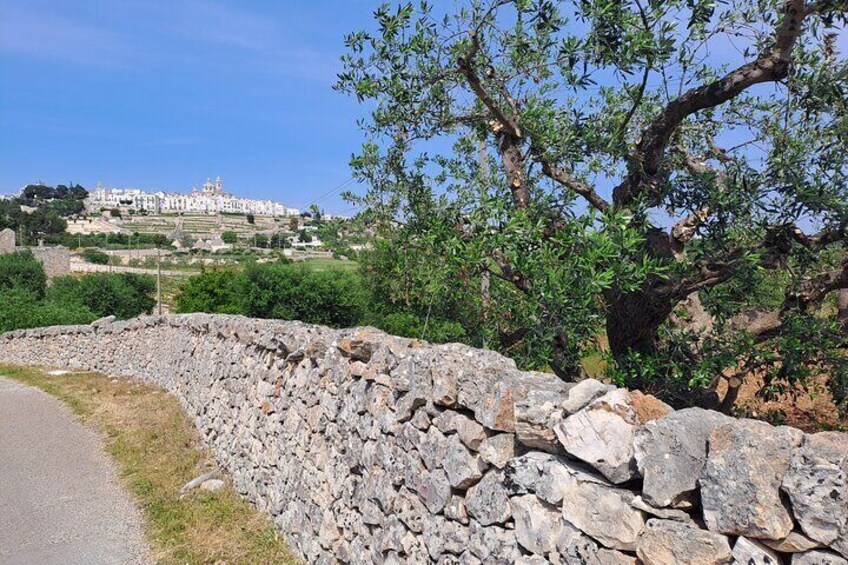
x=123, y=295
x=408, y=324
x=20, y=309
x=292, y=292
x=95, y=256
x=229, y=237
x=21, y=270
x=215, y=292
x=282, y=290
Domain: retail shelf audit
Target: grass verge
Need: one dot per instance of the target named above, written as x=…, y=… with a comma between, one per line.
x=157, y=450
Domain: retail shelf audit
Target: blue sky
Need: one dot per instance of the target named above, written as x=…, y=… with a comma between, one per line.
x=162, y=94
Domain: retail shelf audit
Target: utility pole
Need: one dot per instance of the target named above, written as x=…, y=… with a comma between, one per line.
x=159, y=280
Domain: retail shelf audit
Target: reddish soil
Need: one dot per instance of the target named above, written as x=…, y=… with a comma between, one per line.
x=811, y=410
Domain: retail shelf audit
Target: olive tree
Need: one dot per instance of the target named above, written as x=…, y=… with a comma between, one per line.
x=672, y=172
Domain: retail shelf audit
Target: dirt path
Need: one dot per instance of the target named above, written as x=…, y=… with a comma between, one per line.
x=60, y=502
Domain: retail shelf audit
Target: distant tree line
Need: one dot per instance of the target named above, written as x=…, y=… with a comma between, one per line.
x=52, y=205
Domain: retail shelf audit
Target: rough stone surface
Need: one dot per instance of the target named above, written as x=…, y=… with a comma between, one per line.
x=535, y=415
x=795, y=542
x=498, y=450
x=603, y=512
x=665, y=513
x=537, y=525
x=817, y=485
x=818, y=557
x=752, y=552
x=488, y=500
x=671, y=452
x=601, y=434
x=742, y=477
x=7, y=241
x=666, y=542
x=583, y=393
x=368, y=448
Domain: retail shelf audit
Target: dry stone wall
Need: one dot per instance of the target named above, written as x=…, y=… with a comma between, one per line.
x=367, y=448
x=55, y=260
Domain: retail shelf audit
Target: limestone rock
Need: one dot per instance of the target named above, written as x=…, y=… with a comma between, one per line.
x=817, y=485
x=666, y=542
x=671, y=452
x=470, y=432
x=603, y=512
x=498, y=449
x=665, y=513
x=358, y=347
x=435, y=491
x=751, y=552
x=456, y=510
x=463, y=469
x=575, y=548
x=410, y=510
x=536, y=523
x=212, y=485
x=488, y=500
x=531, y=560
x=601, y=434
x=433, y=448
x=583, y=393
x=818, y=557
x=492, y=545
x=741, y=480
x=535, y=416
x=496, y=408
x=795, y=542
x=444, y=536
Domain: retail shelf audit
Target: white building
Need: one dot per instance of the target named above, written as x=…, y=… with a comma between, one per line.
x=209, y=199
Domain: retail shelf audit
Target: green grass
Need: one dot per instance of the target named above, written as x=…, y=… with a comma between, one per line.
x=157, y=450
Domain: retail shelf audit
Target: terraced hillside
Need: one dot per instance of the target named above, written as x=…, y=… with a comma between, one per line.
x=204, y=225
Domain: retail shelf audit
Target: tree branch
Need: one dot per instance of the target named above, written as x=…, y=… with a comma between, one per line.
x=815, y=289
x=773, y=66
x=622, y=130
x=466, y=67
x=570, y=181
x=683, y=231
x=762, y=324
x=822, y=239
x=509, y=275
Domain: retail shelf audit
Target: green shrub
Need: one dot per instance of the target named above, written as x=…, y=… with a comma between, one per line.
x=279, y=290
x=95, y=256
x=408, y=324
x=293, y=292
x=23, y=271
x=20, y=309
x=123, y=295
x=211, y=291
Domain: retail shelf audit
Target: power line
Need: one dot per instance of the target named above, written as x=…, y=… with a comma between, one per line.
x=331, y=192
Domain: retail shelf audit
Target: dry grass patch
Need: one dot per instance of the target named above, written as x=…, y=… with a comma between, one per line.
x=157, y=450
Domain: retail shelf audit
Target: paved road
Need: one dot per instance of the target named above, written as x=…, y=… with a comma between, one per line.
x=60, y=502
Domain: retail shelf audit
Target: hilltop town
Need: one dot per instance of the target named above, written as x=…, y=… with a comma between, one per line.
x=208, y=199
